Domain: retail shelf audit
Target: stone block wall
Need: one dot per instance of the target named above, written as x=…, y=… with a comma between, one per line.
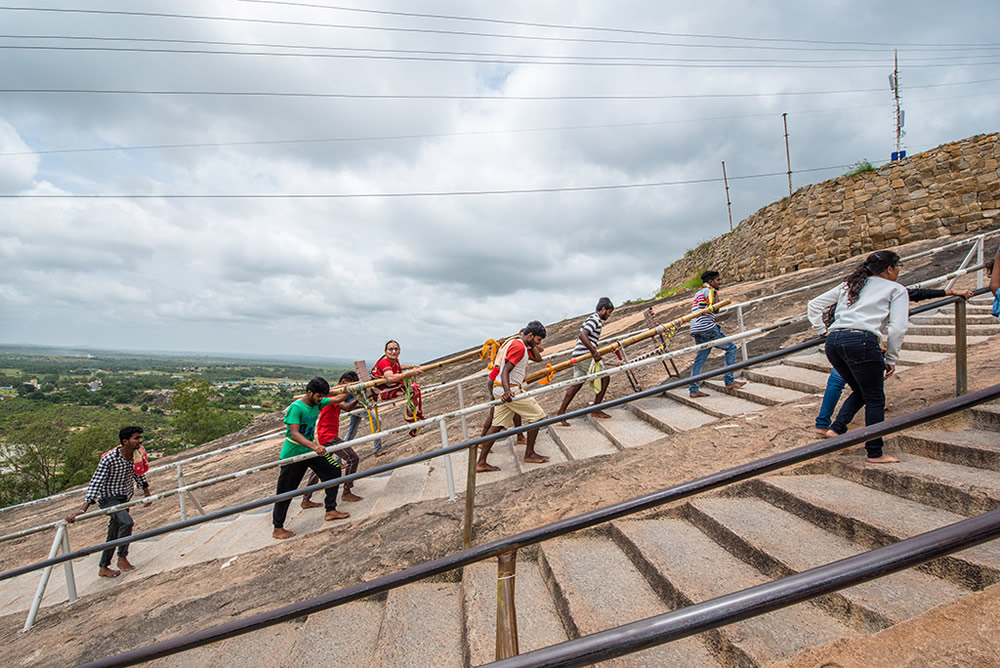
x=952, y=189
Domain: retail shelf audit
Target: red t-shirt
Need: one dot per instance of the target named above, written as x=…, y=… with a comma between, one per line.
x=514, y=355
x=328, y=424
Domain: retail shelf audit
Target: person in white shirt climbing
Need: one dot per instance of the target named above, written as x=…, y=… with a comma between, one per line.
x=870, y=310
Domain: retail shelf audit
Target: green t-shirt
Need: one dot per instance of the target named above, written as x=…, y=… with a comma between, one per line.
x=304, y=415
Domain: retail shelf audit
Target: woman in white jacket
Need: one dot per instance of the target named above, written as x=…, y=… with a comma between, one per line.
x=870, y=311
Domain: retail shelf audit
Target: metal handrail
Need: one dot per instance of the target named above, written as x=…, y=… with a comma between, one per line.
x=553, y=530
x=440, y=419
x=763, y=598
x=465, y=445
x=460, y=381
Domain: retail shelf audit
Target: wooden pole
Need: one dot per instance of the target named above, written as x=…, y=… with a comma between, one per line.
x=788, y=156
x=729, y=203
x=611, y=347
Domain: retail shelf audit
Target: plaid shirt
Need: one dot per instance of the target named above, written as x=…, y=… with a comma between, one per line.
x=115, y=476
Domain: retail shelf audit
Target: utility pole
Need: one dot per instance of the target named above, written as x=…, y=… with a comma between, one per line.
x=788, y=157
x=899, y=153
x=729, y=203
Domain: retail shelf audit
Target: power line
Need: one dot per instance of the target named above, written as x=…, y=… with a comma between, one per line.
x=452, y=193
x=470, y=133
x=463, y=33
x=631, y=31
x=403, y=96
x=497, y=59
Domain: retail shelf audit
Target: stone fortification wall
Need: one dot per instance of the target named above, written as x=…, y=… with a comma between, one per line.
x=952, y=189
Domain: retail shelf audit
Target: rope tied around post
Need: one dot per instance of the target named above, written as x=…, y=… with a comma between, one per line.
x=548, y=378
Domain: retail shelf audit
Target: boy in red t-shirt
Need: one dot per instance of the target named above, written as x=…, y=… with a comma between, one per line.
x=327, y=434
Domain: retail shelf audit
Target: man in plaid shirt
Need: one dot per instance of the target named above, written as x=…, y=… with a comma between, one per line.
x=113, y=483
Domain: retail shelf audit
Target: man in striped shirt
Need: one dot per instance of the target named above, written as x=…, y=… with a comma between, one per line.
x=705, y=329
x=113, y=483
x=590, y=336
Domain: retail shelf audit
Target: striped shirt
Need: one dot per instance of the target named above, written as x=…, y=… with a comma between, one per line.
x=704, y=298
x=114, y=476
x=592, y=330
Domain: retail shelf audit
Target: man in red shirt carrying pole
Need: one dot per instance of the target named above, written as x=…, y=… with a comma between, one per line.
x=508, y=381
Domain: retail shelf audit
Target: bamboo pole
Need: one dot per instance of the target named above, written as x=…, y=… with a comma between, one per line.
x=423, y=368
x=611, y=347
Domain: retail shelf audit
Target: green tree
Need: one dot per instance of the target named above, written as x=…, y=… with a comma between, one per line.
x=197, y=420
x=32, y=452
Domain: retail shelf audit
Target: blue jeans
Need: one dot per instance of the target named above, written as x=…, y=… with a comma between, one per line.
x=857, y=357
x=702, y=355
x=834, y=387
x=352, y=430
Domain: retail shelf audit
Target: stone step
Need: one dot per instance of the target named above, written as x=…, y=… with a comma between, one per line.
x=968, y=447
x=627, y=430
x=422, y=626
x=758, y=393
x=405, y=486
x=597, y=587
x=669, y=416
x=544, y=445
x=501, y=454
x=949, y=331
x=937, y=344
x=949, y=319
x=717, y=404
x=539, y=625
x=959, y=489
x=815, y=361
x=986, y=416
x=803, y=380
x=873, y=519
x=321, y=639
x=246, y=533
x=782, y=544
x=581, y=440
x=688, y=567
x=914, y=357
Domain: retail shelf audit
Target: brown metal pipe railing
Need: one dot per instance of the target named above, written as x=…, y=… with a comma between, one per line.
x=549, y=531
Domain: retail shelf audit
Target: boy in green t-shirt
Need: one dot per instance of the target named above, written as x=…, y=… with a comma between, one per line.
x=300, y=424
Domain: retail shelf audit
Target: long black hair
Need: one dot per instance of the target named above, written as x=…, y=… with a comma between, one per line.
x=873, y=265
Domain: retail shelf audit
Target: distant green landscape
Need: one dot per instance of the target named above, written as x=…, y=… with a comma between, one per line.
x=60, y=410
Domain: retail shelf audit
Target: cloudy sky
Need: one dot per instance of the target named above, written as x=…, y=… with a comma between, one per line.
x=305, y=178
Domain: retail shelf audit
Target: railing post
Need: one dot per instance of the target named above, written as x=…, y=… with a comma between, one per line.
x=180, y=495
x=44, y=582
x=447, y=462
x=979, y=260
x=470, y=497
x=739, y=323
x=68, y=566
x=461, y=407
x=506, y=646
x=961, y=350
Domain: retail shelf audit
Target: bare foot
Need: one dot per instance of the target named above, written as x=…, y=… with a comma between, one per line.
x=562, y=423
x=831, y=433
x=125, y=565
x=282, y=534
x=380, y=453
x=698, y=395
x=351, y=497
x=735, y=386
x=884, y=459
x=822, y=433
x=521, y=440
x=335, y=515
x=306, y=503
x=535, y=458
x=107, y=572
x=600, y=414
x=485, y=468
